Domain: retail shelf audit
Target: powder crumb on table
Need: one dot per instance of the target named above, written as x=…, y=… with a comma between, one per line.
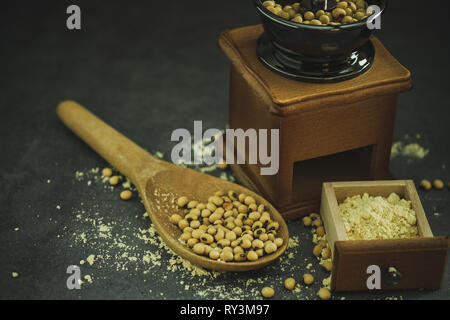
x=91, y=259
x=327, y=282
x=88, y=278
x=293, y=242
x=411, y=150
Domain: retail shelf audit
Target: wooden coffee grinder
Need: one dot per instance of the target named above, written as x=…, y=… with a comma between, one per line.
x=332, y=93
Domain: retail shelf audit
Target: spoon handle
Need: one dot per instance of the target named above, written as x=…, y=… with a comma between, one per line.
x=122, y=153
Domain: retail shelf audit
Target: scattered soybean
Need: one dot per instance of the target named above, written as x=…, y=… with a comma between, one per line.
x=324, y=294
x=267, y=292
x=289, y=283
x=126, y=195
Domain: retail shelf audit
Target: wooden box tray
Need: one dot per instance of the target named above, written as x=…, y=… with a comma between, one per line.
x=420, y=262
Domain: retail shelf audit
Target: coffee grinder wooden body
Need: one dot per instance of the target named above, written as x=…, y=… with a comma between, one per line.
x=328, y=131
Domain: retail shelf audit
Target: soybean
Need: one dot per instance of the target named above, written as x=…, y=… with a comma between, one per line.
x=107, y=172
x=246, y=243
x=309, y=15
x=339, y=13
x=175, y=218
x=183, y=224
x=270, y=247
x=214, y=254
x=438, y=184
x=326, y=253
x=324, y=294
x=227, y=255
x=267, y=292
x=185, y=236
x=278, y=242
x=327, y=265
x=342, y=5
x=324, y=19
x=317, y=223
x=320, y=231
x=182, y=201
x=191, y=242
x=269, y=3
x=199, y=248
x=308, y=279
x=307, y=221
x=126, y=195
x=314, y=216
x=347, y=19
x=317, y=250
x=240, y=256
x=206, y=238
x=425, y=184
x=192, y=204
x=114, y=180
x=359, y=15
x=249, y=200
x=289, y=283
x=252, y=255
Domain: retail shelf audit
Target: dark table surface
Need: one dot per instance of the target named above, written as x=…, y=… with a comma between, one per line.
x=148, y=68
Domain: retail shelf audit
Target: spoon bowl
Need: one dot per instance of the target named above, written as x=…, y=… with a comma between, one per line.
x=161, y=183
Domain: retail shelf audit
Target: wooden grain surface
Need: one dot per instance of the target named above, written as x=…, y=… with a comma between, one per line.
x=421, y=261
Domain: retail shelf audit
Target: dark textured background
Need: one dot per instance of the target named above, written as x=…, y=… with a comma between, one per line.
x=146, y=68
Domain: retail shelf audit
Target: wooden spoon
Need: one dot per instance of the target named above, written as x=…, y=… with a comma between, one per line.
x=161, y=183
